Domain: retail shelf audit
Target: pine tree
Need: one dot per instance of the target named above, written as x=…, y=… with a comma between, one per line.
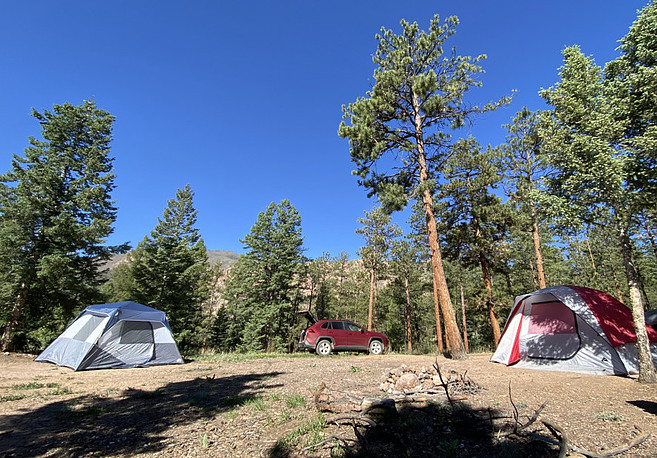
x=321, y=286
x=263, y=291
x=525, y=167
x=600, y=168
x=170, y=269
x=379, y=234
x=417, y=99
x=405, y=263
x=55, y=215
x=476, y=217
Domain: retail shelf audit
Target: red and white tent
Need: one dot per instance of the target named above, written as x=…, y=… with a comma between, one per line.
x=571, y=328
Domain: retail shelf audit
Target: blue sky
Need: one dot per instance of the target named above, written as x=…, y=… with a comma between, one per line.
x=242, y=100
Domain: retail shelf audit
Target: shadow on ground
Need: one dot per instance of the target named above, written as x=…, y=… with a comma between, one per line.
x=134, y=421
x=433, y=430
x=647, y=406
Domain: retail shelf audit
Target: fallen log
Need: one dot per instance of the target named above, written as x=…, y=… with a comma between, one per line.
x=328, y=400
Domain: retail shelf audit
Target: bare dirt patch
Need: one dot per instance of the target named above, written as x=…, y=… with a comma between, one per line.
x=265, y=407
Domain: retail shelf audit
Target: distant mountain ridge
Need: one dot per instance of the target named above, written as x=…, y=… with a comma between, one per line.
x=226, y=258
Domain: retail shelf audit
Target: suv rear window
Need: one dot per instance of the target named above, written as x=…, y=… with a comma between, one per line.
x=338, y=325
x=326, y=326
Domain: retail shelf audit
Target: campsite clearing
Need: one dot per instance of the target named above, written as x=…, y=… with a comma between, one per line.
x=234, y=406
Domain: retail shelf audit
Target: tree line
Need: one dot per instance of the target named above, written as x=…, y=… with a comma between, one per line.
x=586, y=162
x=569, y=198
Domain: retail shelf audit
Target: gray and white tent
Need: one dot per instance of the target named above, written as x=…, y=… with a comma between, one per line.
x=121, y=334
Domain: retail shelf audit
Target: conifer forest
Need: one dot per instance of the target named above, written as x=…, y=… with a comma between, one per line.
x=457, y=228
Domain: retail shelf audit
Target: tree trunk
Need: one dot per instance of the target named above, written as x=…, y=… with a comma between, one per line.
x=465, y=326
x=588, y=247
x=619, y=293
x=497, y=334
x=485, y=273
x=581, y=261
x=454, y=342
x=409, y=336
x=647, y=373
x=538, y=254
x=371, y=306
x=436, y=310
x=16, y=313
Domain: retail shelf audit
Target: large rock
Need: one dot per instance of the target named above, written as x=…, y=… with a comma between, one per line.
x=407, y=382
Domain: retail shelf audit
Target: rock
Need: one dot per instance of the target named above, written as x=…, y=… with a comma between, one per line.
x=427, y=385
x=397, y=372
x=407, y=382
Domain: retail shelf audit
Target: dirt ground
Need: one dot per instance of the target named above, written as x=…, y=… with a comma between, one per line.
x=265, y=407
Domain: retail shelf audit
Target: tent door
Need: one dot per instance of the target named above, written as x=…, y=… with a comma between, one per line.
x=136, y=343
x=127, y=343
x=553, y=332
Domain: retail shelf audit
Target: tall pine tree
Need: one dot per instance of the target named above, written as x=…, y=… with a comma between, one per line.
x=55, y=215
x=417, y=99
x=476, y=217
x=263, y=290
x=170, y=269
x=525, y=167
x=379, y=233
x=601, y=168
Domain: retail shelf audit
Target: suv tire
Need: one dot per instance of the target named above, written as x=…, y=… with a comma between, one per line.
x=376, y=347
x=323, y=347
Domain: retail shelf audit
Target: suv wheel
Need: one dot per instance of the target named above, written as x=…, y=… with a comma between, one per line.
x=376, y=347
x=323, y=348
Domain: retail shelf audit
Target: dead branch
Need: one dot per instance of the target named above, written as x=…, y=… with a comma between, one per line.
x=336, y=401
x=351, y=417
x=613, y=452
x=534, y=417
x=443, y=384
x=344, y=441
x=561, y=436
x=515, y=410
x=410, y=393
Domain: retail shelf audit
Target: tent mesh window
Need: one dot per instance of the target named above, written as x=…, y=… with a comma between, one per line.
x=552, y=318
x=92, y=322
x=137, y=332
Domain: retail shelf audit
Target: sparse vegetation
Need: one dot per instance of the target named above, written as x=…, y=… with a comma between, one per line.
x=611, y=416
x=256, y=403
x=29, y=386
x=12, y=397
x=294, y=401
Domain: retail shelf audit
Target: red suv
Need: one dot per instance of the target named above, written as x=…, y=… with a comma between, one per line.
x=326, y=336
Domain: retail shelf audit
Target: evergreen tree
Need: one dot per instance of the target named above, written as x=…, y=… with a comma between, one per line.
x=418, y=97
x=525, y=167
x=55, y=215
x=405, y=263
x=632, y=82
x=476, y=217
x=321, y=285
x=600, y=168
x=120, y=285
x=263, y=291
x=379, y=234
x=170, y=270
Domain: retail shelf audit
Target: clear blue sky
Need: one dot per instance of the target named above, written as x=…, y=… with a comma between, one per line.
x=242, y=99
